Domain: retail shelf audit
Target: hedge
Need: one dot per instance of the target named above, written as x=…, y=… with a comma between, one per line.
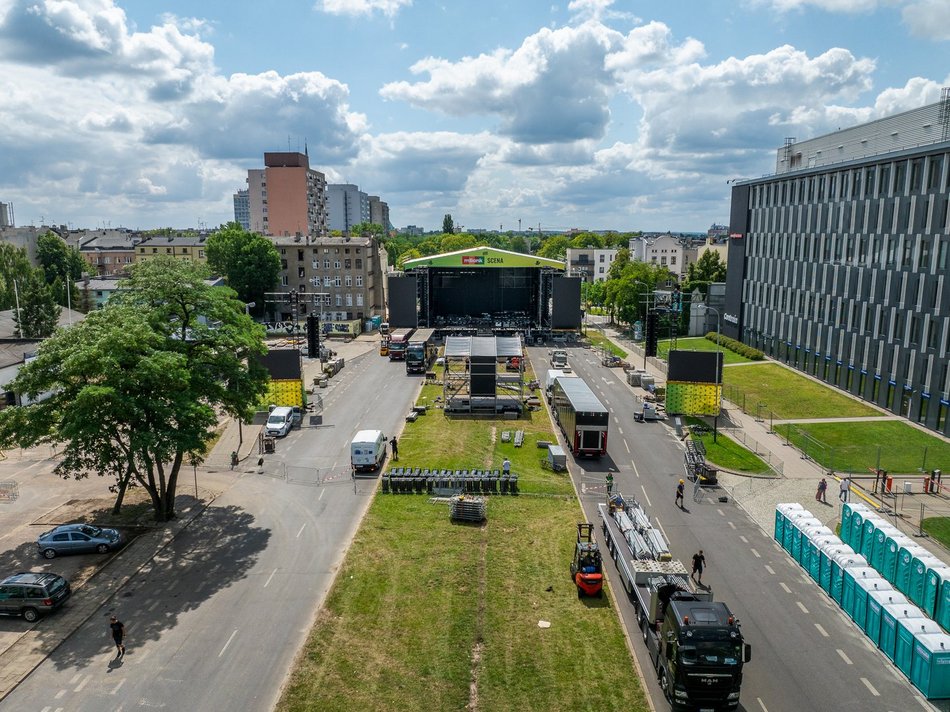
x=737, y=346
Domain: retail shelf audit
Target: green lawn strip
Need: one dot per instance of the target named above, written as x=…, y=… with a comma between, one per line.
x=727, y=453
x=699, y=343
x=789, y=395
x=598, y=341
x=855, y=447
x=939, y=529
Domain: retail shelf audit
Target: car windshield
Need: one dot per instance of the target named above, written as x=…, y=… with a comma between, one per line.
x=90, y=530
x=56, y=584
x=713, y=653
x=275, y=420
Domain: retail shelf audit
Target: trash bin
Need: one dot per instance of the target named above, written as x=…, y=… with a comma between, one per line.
x=270, y=445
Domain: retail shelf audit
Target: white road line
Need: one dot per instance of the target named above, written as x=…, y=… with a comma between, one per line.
x=661, y=529
x=804, y=610
x=322, y=492
x=784, y=587
x=270, y=577
x=756, y=554
x=75, y=678
x=626, y=446
x=770, y=569
x=847, y=660
x=646, y=496
x=304, y=526
x=732, y=525
x=762, y=704
x=60, y=694
x=620, y=430
x=117, y=687
x=743, y=539
x=821, y=630
x=606, y=402
x=721, y=513
x=228, y=643
x=867, y=684
x=81, y=685
x=152, y=606
x=616, y=420
x=635, y=470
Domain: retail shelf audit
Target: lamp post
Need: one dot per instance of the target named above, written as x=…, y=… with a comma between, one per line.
x=718, y=391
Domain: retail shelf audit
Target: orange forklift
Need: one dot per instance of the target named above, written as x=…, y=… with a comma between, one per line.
x=587, y=567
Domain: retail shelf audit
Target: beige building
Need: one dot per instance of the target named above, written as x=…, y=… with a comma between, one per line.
x=287, y=198
x=183, y=247
x=108, y=253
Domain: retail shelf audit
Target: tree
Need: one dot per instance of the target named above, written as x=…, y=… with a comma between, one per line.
x=410, y=254
x=708, y=268
x=14, y=264
x=453, y=243
x=39, y=313
x=587, y=240
x=554, y=248
x=448, y=226
x=136, y=388
x=249, y=262
x=519, y=244
x=62, y=266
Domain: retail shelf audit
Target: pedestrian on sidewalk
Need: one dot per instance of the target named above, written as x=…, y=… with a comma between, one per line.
x=680, y=488
x=845, y=488
x=118, y=635
x=699, y=563
x=822, y=489
x=395, y=447
x=234, y=459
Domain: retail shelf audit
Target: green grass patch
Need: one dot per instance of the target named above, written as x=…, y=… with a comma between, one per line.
x=726, y=453
x=855, y=447
x=938, y=528
x=698, y=343
x=787, y=394
x=598, y=341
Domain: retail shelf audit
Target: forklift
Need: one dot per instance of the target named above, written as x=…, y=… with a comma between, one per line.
x=587, y=567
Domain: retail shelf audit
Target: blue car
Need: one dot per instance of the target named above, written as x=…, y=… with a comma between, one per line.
x=78, y=539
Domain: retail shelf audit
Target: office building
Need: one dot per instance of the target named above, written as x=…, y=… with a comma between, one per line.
x=347, y=206
x=242, y=209
x=590, y=264
x=838, y=262
x=287, y=198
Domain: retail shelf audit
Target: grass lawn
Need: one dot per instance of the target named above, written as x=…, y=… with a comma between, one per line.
x=699, y=343
x=787, y=394
x=727, y=453
x=854, y=447
x=938, y=528
x=427, y=614
x=598, y=341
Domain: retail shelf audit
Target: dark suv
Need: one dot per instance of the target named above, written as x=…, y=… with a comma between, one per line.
x=31, y=593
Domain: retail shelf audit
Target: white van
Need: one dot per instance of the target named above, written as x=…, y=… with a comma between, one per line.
x=279, y=422
x=368, y=450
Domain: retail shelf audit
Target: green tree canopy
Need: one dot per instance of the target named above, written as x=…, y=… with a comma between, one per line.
x=137, y=387
x=249, y=262
x=554, y=248
x=708, y=268
x=448, y=225
x=451, y=243
x=410, y=254
x=38, y=313
x=62, y=265
x=14, y=265
x=587, y=240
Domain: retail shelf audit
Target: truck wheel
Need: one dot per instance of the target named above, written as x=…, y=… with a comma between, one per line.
x=644, y=629
x=664, y=683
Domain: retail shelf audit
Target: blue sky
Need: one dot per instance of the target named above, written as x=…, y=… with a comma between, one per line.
x=589, y=113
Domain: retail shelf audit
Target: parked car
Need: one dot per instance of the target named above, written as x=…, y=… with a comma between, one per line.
x=78, y=539
x=30, y=594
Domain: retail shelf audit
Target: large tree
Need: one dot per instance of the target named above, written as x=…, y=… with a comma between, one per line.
x=62, y=266
x=249, y=262
x=448, y=225
x=14, y=266
x=135, y=390
x=38, y=313
x=554, y=248
x=708, y=268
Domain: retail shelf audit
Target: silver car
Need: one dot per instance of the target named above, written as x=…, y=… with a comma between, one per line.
x=78, y=539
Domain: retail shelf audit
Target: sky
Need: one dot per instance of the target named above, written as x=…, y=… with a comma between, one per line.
x=590, y=114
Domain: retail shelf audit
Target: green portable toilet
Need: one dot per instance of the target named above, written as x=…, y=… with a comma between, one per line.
x=876, y=602
x=890, y=615
x=879, y=546
x=871, y=523
x=933, y=583
x=789, y=528
x=942, y=615
x=826, y=555
x=905, y=562
x=815, y=546
x=857, y=527
x=907, y=631
x=930, y=665
x=844, y=586
x=862, y=589
x=798, y=535
x=781, y=514
x=891, y=550
x=918, y=577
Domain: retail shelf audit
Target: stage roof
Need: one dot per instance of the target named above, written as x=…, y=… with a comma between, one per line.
x=487, y=346
x=486, y=257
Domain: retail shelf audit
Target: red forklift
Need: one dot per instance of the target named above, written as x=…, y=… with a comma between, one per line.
x=587, y=567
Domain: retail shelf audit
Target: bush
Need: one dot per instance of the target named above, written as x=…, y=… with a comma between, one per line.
x=737, y=346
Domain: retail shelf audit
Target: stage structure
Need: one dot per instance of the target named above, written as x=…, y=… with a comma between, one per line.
x=483, y=291
x=478, y=378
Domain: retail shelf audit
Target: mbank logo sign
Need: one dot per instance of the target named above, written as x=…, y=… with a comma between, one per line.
x=473, y=260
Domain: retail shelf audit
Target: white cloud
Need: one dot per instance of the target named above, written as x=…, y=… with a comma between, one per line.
x=362, y=7
x=928, y=18
x=848, y=6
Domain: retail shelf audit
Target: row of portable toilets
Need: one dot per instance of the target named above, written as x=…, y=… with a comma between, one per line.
x=897, y=592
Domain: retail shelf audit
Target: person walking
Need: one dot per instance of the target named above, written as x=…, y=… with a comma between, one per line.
x=234, y=459
x=610, y=483
x=506, y=466
x=845, y=488
x=395, y=448
x=118, y=635
x=680, y=488
x=699, y=563
x=820, y=495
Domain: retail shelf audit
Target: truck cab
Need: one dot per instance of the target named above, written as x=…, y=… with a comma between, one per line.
x=558, y=358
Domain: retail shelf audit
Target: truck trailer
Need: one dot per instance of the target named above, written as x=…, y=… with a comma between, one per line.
x=398, y=343
x=694, y=643
x=421, y=351
x=581, y=416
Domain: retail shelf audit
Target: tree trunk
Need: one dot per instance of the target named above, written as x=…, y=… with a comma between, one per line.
x=122, y=485
x=171, y=486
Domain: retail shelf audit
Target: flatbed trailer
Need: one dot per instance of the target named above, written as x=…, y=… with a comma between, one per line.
x=581, y=416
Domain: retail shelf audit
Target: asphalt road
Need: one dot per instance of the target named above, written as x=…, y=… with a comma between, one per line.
x=215, y=621
x=806, y=653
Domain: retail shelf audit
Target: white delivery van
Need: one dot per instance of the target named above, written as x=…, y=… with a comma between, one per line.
x=279, y=422
x=368, y=450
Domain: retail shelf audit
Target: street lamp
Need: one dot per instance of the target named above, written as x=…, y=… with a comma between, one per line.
x=718, y=388
x=248, y=307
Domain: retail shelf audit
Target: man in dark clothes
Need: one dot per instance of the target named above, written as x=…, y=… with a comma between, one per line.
x=395, y=446
x=118, y=635
x=679, y=494
x=699, y=563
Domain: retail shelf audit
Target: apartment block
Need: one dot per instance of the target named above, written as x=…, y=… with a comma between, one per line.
x=287, y=198
x=591, y=265
x=242, y=209
x=347, y=206
x=183, y=247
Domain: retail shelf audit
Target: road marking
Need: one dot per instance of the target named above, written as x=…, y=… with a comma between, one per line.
x=721, y=513
x=770, y=569
x=784, y=587
x=620, y=430
x=867, y=684
x=301, y=530
x=821, y=630
x=847, y=660
x=804, y=610
x=649, y=503
x=117, y=687
x=75, y=678
x=756, y=554
x=635, y=470
x=626, y=446
x=661, y=529
x=151, y=607
x=732, y=525
x=228, y=643
x=616, y=420
x=270, y=577
x=82, y=684
x=762, y=704
x=322, y=492
x=743, y=539
x=60, y=694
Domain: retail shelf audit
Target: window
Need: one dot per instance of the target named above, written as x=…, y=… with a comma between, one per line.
x=933, y=176
x=359, y=263
x=916, y=174
x=348, y=281
x=359, y=280
x=339, y=300
x=359, y=299
x=336, y=264
x=284, y=281
x=922, y=411
x=347, y=264
x=283, y=264
x=300, y=273
x=349, y=300
x=672, y=260
x=300, y=255
x=326, y=264
x=336, y=282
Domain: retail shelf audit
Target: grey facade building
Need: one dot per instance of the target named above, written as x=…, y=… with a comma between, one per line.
x=242, y=209
x=838, y=263
x=6, y=215
x=379, y=213
x=347, y=206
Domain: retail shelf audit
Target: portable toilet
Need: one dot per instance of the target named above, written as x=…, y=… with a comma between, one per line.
x=789, y=527
x=799, y=526
x=781, y=514
x=872, y=522
x=879, y=545
x=815, y=546
x=857, y=526
x=849, y=576
x=840, y=565
x=918, y=576
x=890, y=615
x=905, y=562
x=826, y=557
x=807, y=546
x=930, y=665
x=943, y=605
x=907, y=631
x=933, y=585
x=846, y=513
x=862, y=589
x=892, y=548
x=876, y=602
